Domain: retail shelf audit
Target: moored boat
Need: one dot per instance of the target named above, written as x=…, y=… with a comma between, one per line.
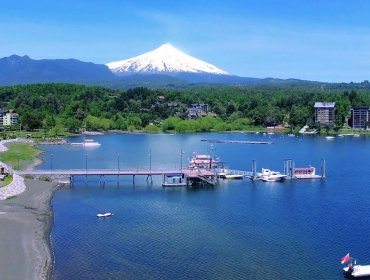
x=305, y=173
x=90, y=143
x=268, y=175
x=231, y=176
x=104, y=215
x=225, y=173
x=86, y=143
x=203, y=162
x=174, y=180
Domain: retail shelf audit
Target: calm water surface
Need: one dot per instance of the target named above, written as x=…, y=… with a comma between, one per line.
x=237, y=230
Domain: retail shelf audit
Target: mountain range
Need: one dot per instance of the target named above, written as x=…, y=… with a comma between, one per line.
x=165, y=66
x=22, y=69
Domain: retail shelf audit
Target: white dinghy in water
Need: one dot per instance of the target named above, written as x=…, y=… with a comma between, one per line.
x=104, y=215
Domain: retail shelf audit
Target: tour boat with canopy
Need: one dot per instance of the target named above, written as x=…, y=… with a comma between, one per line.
x=204, y=162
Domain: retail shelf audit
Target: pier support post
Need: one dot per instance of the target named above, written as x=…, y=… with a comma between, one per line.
x=254, y=166
x=289, y=168
x=149, y=177
x=323, y=168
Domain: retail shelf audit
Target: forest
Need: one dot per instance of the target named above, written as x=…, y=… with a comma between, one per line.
x=56, y=108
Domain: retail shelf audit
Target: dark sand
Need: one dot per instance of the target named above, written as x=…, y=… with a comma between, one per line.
x=25, y=224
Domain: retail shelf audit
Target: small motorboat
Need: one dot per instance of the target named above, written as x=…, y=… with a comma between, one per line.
x=227, y=174
x=104, y=215
x=233, y=176
x=268, y=175
x=90, y=143
x=329, y=137
x=353, y=270
x=86, y=143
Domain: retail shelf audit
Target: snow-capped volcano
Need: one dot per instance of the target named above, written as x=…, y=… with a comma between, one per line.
x=165, y=59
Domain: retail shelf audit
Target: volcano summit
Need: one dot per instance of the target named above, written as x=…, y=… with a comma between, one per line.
x=166, y=59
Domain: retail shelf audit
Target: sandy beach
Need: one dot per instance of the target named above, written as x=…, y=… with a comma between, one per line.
x=25, y=224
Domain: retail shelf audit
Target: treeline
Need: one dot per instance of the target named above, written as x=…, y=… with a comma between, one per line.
x=60, y=107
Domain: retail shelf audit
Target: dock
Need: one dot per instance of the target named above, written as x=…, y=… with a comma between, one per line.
x=237, y=142
x=190, y=176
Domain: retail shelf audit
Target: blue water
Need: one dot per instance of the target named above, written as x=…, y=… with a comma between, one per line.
x=237, y=230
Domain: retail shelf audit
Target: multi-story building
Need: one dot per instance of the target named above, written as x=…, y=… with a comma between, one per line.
x=360, y=117
x=2, y=113
x=8, y=117
x=197, y=111
x=325, y=113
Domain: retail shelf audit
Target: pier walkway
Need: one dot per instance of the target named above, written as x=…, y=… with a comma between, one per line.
x=190, y=175
x=247, y=174
x=102, y=172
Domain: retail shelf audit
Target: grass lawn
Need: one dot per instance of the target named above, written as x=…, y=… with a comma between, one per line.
x=8, y=179
x=18, y=154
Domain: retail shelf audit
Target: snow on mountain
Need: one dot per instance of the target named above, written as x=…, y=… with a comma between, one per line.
x=165, y=59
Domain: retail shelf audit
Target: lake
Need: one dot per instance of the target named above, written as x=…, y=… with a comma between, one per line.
x=239, y=229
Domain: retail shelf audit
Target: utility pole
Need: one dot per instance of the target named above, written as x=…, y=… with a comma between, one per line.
x=118, y=162
x=150, y=160
x=86, y=163
x=181, y=159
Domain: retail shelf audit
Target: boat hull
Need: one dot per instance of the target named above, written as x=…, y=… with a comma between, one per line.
x=358, y=271
x=232, y=176
x=104, y=215
x=273, y=179
x=268, y=175
x=174, y=184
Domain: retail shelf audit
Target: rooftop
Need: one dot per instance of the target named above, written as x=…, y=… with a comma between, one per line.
x=324, y=105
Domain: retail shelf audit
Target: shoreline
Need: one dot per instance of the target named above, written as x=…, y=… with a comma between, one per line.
x=26, y=221
x=25, y=228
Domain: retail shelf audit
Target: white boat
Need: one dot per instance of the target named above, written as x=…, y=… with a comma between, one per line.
x=353, y=270
x=224, y=173
x=305, y=173
x=329, y=137
x=104, y=215
x=356, y=135
x=291, y=135
x=174, y=180
x=86, y=143
x=90, y=143
x=233, y=176
x=203, y=162
x=268, y=175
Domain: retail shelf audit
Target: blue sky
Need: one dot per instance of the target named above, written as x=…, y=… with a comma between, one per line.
x=324, y=40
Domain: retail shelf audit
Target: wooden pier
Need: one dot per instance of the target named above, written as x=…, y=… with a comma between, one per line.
x=237, y=142
x=190, y=176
